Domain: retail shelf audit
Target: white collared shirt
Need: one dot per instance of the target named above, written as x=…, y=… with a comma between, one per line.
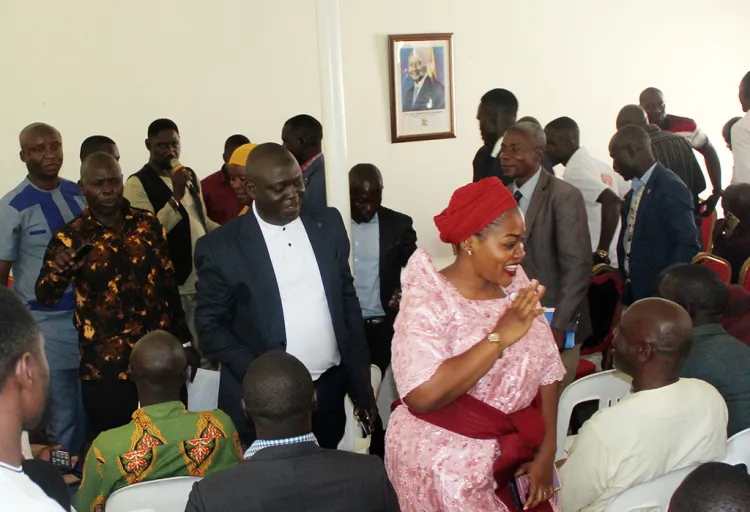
x=527, y=189
x=741, y=150
x=592, y=177
x=307, y=318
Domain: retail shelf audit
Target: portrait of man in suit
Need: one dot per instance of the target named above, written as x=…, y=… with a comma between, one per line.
x=279, y=278
x=425, y=92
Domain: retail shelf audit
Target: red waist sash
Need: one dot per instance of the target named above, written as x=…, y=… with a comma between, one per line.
x=519, y=434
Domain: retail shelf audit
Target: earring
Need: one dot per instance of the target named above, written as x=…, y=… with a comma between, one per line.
x=470, y=252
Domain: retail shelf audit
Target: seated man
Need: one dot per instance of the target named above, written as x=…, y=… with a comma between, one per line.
x=716, y=357
x=284, y=469
x=664, y=424
x=732, y=233
x=713, y=487
x=163, y=440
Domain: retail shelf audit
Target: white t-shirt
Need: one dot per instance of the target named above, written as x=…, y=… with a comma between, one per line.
x=646, y=435
x=741, y=150
x=307, y=318
x=592, y=177
x=19, y=493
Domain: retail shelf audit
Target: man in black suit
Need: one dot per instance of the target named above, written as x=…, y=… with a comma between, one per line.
x=285, y=469
x=384, y=240
x=275, y=279
x=426, y=93
x=497, y=111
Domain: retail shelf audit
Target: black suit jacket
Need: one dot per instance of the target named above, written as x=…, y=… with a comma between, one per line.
x=431, y=96
x=239, y=314
x=398, y=241
x=297, y=477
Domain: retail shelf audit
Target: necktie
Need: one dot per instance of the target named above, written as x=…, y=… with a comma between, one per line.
x=517, y=196
x=630, y=229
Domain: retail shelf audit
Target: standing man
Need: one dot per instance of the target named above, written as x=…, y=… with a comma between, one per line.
x=116, y=257
x=29, y=215
x=384, y=240
x=672, y=151
x=221, y=201
x=302, y=136
x=658, y=226
x=174, y=195
x=740, y=136
x=652, y=101
x=557, y=242
x=24, y=379
x=97, y=143
x=597, y=182
x=280, y=279
x=497, y=111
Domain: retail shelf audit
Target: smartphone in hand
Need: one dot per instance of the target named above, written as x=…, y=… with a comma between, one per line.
x=61, y=459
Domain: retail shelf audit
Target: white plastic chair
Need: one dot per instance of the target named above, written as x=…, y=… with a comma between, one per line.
x=656, y=493
x=607, y=387
x=166, y=495
x=738, y=449
x=353, y=440
x=387, y=395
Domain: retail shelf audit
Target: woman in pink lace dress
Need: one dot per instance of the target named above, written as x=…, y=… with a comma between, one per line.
x=471, y=334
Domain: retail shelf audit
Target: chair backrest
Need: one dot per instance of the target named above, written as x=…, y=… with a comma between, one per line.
x=167, y=495
x=606, y=387
x=745, y=275
x=707, y=231
x=353, y=440
x=654, y=494
x=720, y=265
x=738, y=449
x=605, y=303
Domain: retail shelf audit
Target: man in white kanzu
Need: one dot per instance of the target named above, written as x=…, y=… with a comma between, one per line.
x=24, y=378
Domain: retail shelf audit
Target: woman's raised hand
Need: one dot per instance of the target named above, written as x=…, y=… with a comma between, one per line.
x=516, y=321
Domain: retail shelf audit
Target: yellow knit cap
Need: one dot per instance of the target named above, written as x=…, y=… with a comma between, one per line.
x=239, y=157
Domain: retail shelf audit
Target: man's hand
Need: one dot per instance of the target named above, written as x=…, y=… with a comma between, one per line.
x=395, y=300
x=45, y=454
x=708, y=206
x=559, y=338
x=194, y=360
x=66, y=262
x=179, y=183
x=367, y=416
x=599, y=259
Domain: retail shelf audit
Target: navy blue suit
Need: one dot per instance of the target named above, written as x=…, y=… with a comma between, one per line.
x=664, y=232
x=239, y=315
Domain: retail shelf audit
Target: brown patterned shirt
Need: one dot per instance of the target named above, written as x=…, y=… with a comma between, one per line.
x=125, y=289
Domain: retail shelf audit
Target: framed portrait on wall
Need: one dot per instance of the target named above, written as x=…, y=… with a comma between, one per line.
x=421, y=87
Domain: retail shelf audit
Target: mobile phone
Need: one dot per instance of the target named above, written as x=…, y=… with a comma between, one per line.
x=520, y=486
x=365, y=427
x=61, y=459
x=83, y=251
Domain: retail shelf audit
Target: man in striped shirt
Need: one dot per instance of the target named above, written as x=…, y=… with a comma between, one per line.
x=672, y=151
x=652, y=101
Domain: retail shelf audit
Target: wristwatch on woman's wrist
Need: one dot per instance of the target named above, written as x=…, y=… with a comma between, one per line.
x=494, y=338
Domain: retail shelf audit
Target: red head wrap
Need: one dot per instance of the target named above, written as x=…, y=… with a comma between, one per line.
x=472, y=208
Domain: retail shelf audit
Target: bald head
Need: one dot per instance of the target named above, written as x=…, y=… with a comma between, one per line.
x=41, y=151
x=713, y=487
x=99, y=160
x=632, y=115
x=278, y=392
x=158, y=366
x=275, y=183
x=265, y=158
x=35, y=130
x=631, y=152
x=365, y=172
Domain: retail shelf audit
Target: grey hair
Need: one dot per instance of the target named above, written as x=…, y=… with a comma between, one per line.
x=534, y=132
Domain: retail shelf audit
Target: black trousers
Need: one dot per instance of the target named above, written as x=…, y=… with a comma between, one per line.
x=329, y=419
x=109, y=404
x=379, y=333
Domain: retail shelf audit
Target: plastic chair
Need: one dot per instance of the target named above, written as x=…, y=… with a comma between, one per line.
x=707, y=231
x=607, y=387
x=720, y=265
x=738, y=449
x=656, y=493
x=166, y=495
x=353, y=440
x=744, y=275
x=607, y=287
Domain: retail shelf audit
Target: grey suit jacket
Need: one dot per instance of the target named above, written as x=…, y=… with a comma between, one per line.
x=558, y=252
x=297, y=477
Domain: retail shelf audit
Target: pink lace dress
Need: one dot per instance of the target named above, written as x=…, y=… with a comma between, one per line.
x=433, y=469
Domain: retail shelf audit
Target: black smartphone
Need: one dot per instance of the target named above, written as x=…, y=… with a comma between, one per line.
x=61, y=459
x=83, y=251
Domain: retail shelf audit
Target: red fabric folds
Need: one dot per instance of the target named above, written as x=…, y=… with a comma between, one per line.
x=519, y=434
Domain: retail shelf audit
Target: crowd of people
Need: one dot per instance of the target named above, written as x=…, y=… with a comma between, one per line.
x=123, y=288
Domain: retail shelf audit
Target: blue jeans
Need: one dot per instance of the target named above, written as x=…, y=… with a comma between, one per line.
x=68, y=424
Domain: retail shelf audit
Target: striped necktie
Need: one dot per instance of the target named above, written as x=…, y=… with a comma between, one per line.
x=632, y=214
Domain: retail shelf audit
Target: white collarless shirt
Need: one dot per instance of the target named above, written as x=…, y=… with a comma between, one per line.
x=307, y=318
x=741, y=150
x=20, y=493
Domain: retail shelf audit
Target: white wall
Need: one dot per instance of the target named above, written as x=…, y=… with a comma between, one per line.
x=229, y=66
